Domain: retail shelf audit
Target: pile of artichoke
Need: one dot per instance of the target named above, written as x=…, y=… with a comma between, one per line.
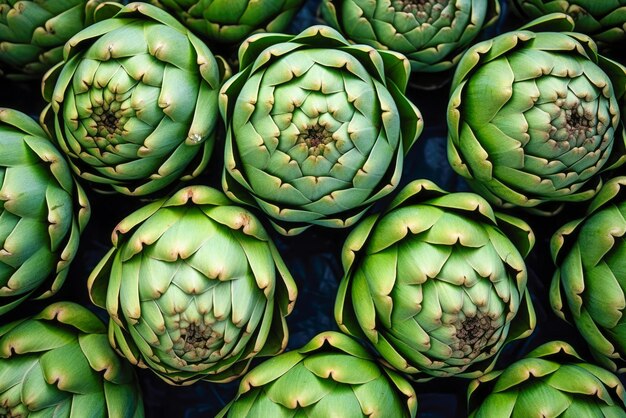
x=284, y=208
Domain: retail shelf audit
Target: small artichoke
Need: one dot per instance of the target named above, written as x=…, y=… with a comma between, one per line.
x=230, y=22
x=552, y=381
x=437, y=283
x=59, y=364
x=590, y=279
x=331, y=376
x=134, y=104
x=534, y=117
x=33, y=32
x=431, y=33
x=317, y=128
x=194, y=288
x=42, y=212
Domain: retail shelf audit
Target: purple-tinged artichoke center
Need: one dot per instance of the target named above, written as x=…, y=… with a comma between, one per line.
x=472, y=335
x=316, y=138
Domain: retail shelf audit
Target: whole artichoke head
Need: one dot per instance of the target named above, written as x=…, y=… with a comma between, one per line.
x=317, y=128
x=42, y=212
x=59, y=364
x=194, y=287
x=331, y=376
x=534, y=117
x=134, y=104
x=437, y=283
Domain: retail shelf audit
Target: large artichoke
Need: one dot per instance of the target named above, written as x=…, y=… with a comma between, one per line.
x=331, y=376
x=42, y=212
x=437, y=283
x=317, y=128
x=194, y=287
x=59, y=364
x=32, y=33
x=134, y=104
x=231, y=21
x=589, y=285
x=534, y=117
x=552, y=381
x=431, y=33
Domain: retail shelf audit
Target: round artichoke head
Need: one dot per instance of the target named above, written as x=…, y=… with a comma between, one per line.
x=42, y=212
x=437, y=283
x=534, y=117
x=194, y=287
x=551, y=381
x=317, y=128
x=134, y=104
x=59, y=363
x=330, y=376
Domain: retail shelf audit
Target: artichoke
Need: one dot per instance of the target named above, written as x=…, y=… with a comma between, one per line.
x=230, y=22
x=32, y=33
x=552, y=381
x=437, y=283
x=194, y=288
x=431, y=33
x=134, y=104
x=603, y=20
x=331, y=376
x=317, y=128
x=589, y=283
x=534, y=117
x=42, y=212
x=59, y=364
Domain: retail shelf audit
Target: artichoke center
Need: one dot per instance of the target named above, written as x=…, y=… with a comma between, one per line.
x=574, y=126
x=472, y=334
x=316, y=138
x=5, y=412
x=425, y=11
x=198, y=340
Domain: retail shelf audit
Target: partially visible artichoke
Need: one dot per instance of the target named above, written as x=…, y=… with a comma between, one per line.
x=331, y=376
x=134, y=104
x=59, y=364
x=534, y=117
x=431, y=33
x=42, y=212
x=317, y=128
x=437, y=283
x=230, y=22
x=195, y=288
x=588, y=287
x=33, y=32
x=603, y=20
x=552, y=381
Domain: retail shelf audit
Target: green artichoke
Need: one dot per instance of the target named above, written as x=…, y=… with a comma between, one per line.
x=194, y=287
x=553, y=381
x=33, y=32
x=42, y=212
x=590, y=280
x=437, y=283
x=317, y=128
x=232, y=21
x=59, y=364
x=534, y=117
x=134, y=104
x=603, y=20
x=431, y=33
x=331, y=376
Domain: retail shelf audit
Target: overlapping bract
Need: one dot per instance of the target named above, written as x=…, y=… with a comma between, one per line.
x=231, y=21
x=59, y=364
x=194, y=287
x=432, y=34
x=32, y=33
x=589, y=283
x=552, y=381
x=134, y=104
x=534, y=117
x=331, y=376
x=42, y=212
x=317, y=128
x=437, y=283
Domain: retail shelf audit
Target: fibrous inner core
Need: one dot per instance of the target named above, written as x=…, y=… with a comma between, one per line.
x=316, y=138
x=198, y=340
x=472, y=334
x=425, y=11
